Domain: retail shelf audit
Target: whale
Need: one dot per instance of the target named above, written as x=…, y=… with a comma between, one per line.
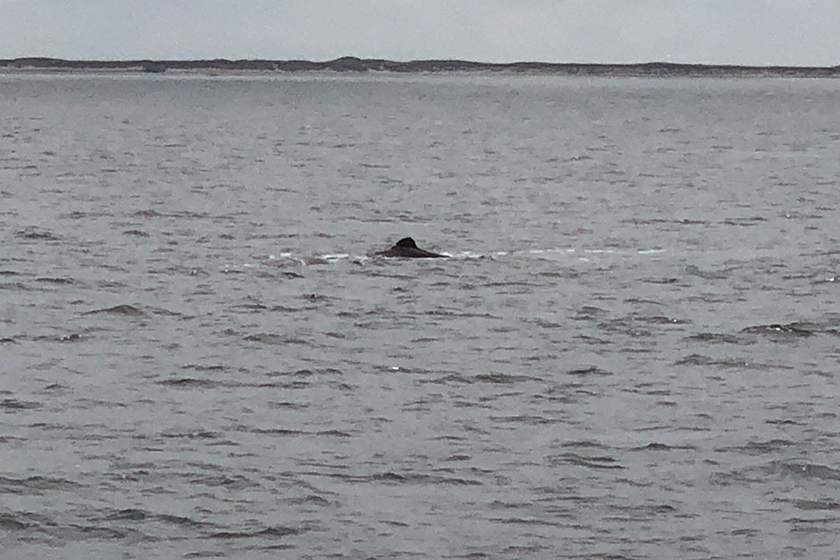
x=406, y=248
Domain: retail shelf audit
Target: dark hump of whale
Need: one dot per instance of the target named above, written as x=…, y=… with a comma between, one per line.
x=407, y=243
x=407, y=248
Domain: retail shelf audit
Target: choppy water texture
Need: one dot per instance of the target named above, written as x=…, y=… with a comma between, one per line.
x=633, y=352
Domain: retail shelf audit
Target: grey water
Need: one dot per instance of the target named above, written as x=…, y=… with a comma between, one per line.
x=632, y=352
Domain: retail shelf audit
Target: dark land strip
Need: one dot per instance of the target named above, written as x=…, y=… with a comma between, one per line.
x=358, y=65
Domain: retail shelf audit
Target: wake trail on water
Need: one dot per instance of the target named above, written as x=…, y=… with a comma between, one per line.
x=540, y=254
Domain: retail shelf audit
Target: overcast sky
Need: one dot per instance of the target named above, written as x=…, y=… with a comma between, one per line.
x=759, y=32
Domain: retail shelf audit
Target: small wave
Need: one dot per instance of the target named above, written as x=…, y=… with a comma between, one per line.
x=528, y=419
x=670, y=280
x=167, y=312
x=759, y=447
x=589, y=312
x=592, y=462
x=816, y=505
x=135, y=514
x=524, y=550
x=744, y=222
x=727, y=363
x=11, y=522
x=591, y=370
x=660, y=320
x=804, y=470
x=584, y=444
x=278, y=531
x=49, y=280
x=14, y=404
x=130, y=514
x=502, y=378
x=411, y=478
x=72, y=337
x=124, y=309
x=200, y=367
x=311, y=499
x=277, y=432
x=716, y=338
x=234, y=482
x=103, y=533
x=188, y=382
x=198, y=434
x=15, y=286
x=334, y=433
x=37, y=234
x=35, y=484
x=656, y=446
x=795, y=329
x=146, y=214
x=693, y=270
x=795, y=470
x=270, y=338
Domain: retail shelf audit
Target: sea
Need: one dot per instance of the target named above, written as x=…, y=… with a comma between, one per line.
x=633, y=351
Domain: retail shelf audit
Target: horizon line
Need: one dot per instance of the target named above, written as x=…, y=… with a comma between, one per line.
x=349, y=59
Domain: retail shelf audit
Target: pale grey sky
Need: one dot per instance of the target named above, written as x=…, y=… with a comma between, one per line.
x=754, y=32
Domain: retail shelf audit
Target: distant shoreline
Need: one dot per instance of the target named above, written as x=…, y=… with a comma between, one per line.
x=353, y=65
